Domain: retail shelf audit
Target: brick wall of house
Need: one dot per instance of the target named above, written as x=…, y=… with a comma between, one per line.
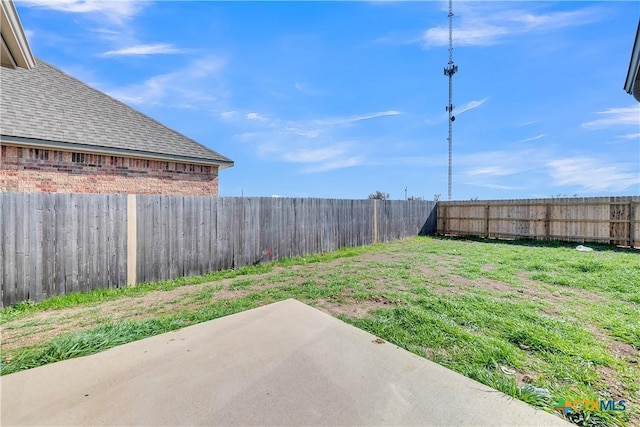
x=25, y=169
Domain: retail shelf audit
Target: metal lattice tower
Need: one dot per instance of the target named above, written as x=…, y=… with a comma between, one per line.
x=449, y=72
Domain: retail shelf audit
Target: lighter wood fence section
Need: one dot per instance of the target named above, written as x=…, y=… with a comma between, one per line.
x=611, y=220
x=53, y=244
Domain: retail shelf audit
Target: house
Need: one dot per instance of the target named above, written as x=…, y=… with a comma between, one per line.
x=58, y=134
x=632, y=83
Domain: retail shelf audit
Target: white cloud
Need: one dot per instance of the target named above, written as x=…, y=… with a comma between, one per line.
x=615, y=117
x=479, y=25
x=629, y=136
x=470, y=106
x=509, y=169
x=314, y=155
x=594, y=175
x=256, y=117
x=145, y=49
x=495, y=186
x=308, y=133
x=492, y=171
x=198, y=82
x=527, y=166
x=227, y=115
x=316, y=143
x=352, y=119
x=336, y=164
x=479, y=35
x=431, y=161
x=302, y=88
x=117, y=12
x=533, y=138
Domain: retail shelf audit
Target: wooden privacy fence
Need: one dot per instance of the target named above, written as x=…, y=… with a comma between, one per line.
x=54, y=244
x=611, y=220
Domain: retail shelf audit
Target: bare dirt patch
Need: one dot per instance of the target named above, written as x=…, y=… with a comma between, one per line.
x=357, y=309
x=41, y=327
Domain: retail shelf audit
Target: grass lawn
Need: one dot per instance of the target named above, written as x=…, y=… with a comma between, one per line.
x=517, y=317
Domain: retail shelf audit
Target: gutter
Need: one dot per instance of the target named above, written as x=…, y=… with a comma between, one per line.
x=632, y=83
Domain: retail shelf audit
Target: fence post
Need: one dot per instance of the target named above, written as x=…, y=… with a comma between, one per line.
x=132, y=240
x=547, y=222
x=375, y=220
x=445, y=214
x=486, y=221
x=632, y=224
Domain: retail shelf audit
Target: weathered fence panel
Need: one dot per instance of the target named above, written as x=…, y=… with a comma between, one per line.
x=611, y=220
x=54, y=244
x=183, y=236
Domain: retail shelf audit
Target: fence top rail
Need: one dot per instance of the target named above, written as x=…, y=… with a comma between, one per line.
x=513, y=219
x=586, y=201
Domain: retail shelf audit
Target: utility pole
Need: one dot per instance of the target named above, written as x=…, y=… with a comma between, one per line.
x=449, y=71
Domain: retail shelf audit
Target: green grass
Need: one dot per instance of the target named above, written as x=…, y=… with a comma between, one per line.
x=104, y=295
x=560, y=331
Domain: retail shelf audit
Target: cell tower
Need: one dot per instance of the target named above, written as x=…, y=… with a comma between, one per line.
x=449, y=72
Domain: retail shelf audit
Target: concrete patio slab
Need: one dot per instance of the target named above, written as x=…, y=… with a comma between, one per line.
x=282, y=364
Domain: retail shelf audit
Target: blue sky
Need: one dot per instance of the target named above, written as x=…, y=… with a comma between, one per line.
x=341, y=99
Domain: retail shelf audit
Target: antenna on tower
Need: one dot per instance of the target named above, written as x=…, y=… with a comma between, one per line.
x=449, y=71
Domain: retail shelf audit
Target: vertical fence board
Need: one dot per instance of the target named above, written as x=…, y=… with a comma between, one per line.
x=21, y=242
x=9, y=227
x=3, y=255
x=37, y=292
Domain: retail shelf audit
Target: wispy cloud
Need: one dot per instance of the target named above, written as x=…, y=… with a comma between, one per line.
x=302, y=88
x=500, y=169
x=256, y=117
x=335, y=164
x=480, y=34
x=470, y=106
x=353, y=119
x=594, y=175
x=629, y=136
x=492, y=171
x=314, y=155
x=195, y=83
x=495, y=186
x=533, y=138
x=526, y=167
x=480, y=26
x=145, y=49
x=615, y=117
x=227, y=115
x=318, y=144
x=117, y=12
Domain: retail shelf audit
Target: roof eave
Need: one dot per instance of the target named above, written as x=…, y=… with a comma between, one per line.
x=109, y=151
x=13, y=36
x=632, y=83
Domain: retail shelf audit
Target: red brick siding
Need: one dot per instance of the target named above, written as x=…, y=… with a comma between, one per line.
x=37, y=170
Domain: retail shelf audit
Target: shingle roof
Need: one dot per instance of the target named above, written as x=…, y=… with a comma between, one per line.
x=46, y=104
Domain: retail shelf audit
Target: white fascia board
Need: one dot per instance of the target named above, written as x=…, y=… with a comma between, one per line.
x=14, y=37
